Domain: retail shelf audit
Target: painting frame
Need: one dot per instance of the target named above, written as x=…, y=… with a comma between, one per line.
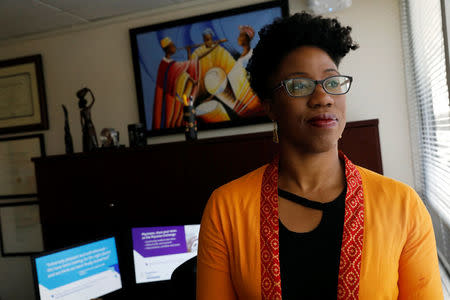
x=26, y=187
x=22, y=88
x=147, y=73
x=20, y=236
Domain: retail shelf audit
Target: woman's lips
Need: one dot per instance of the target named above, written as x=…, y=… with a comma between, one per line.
x=324, y=121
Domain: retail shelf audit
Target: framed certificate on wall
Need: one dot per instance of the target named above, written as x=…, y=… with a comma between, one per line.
x=23, y=105
x=17, y=174
x=21, y=232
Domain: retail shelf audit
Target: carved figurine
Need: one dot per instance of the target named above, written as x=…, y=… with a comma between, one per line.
x=89, y=136
x=67, y=136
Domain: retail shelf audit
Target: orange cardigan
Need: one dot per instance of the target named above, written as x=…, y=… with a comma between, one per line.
x=398, y=258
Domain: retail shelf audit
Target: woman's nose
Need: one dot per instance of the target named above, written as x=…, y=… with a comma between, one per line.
x=320, y=98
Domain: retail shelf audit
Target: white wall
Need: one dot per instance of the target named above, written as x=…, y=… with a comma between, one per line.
x=100, y=57
x=379, y=90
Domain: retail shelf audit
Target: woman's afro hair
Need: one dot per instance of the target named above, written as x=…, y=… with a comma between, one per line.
x=287, y=34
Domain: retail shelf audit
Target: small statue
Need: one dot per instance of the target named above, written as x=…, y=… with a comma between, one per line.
x=67, y=136
x=89, y=136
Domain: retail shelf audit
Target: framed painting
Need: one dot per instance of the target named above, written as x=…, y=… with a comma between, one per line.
x=23, y=105
x=203, y=58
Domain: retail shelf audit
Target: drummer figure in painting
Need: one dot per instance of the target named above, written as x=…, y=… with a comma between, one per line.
x=215, y=56
x=174, y=79
x=167, y=111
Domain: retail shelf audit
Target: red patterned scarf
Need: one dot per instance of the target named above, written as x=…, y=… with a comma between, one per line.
x=352, y=237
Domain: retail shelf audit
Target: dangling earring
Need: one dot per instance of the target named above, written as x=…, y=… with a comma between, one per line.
x=275, y=132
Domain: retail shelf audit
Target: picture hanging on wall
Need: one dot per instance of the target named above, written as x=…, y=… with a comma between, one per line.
x=17, y=175
x=20, y=229
x=203, y=58
x=23, y=105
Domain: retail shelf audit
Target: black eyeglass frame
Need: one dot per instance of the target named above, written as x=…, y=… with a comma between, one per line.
x=283, y=83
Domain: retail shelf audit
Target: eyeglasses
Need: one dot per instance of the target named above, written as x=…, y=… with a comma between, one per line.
x=301, y=87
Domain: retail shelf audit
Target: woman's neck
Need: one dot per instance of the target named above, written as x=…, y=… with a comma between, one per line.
x=311, y=173
x=246, y=50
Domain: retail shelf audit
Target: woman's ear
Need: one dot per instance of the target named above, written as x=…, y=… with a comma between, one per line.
x=269, y=109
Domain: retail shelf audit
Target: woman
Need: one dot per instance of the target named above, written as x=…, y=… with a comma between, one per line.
x=246, y=34
x=311, y=225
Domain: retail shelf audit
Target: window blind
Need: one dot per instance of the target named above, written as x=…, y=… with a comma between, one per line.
x=429, y=111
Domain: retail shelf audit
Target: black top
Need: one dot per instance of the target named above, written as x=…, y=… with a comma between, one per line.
x=309, y=262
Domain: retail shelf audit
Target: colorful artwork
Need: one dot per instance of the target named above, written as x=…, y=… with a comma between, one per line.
x=204, y=58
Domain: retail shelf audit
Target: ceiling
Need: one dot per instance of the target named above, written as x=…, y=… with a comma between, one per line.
x=19, y=18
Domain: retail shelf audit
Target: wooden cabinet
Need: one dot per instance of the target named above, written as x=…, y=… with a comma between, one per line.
x=87, y=195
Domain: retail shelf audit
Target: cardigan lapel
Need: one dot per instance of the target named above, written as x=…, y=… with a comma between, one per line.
x=352, y=238
x=269, y=240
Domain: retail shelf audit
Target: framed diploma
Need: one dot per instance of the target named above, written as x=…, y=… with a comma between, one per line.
x=23, y=105
x=21, y=232
x=17, y=175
